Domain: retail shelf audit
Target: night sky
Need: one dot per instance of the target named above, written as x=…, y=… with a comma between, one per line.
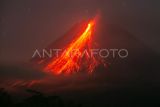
x=30, y=24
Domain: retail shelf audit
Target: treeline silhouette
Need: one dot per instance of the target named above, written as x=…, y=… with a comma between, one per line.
x=36, y=100
x=113, y=98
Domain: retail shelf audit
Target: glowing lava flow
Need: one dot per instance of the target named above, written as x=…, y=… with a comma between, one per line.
x=72, y=61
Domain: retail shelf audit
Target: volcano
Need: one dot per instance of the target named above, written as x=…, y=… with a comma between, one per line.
x=133, y=80
x=138, y=68
x=77, y=54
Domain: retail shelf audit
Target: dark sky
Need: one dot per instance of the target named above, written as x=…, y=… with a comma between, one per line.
x=30, y=24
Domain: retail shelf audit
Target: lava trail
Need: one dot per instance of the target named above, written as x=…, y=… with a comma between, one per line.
x=77, y=55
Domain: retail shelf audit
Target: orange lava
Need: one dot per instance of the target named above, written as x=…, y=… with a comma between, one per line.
x=73, y=61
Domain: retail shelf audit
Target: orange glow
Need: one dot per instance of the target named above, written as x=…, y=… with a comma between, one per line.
x=66, y=63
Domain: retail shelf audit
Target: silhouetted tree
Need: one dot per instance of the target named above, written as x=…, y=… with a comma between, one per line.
x=5, y=98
